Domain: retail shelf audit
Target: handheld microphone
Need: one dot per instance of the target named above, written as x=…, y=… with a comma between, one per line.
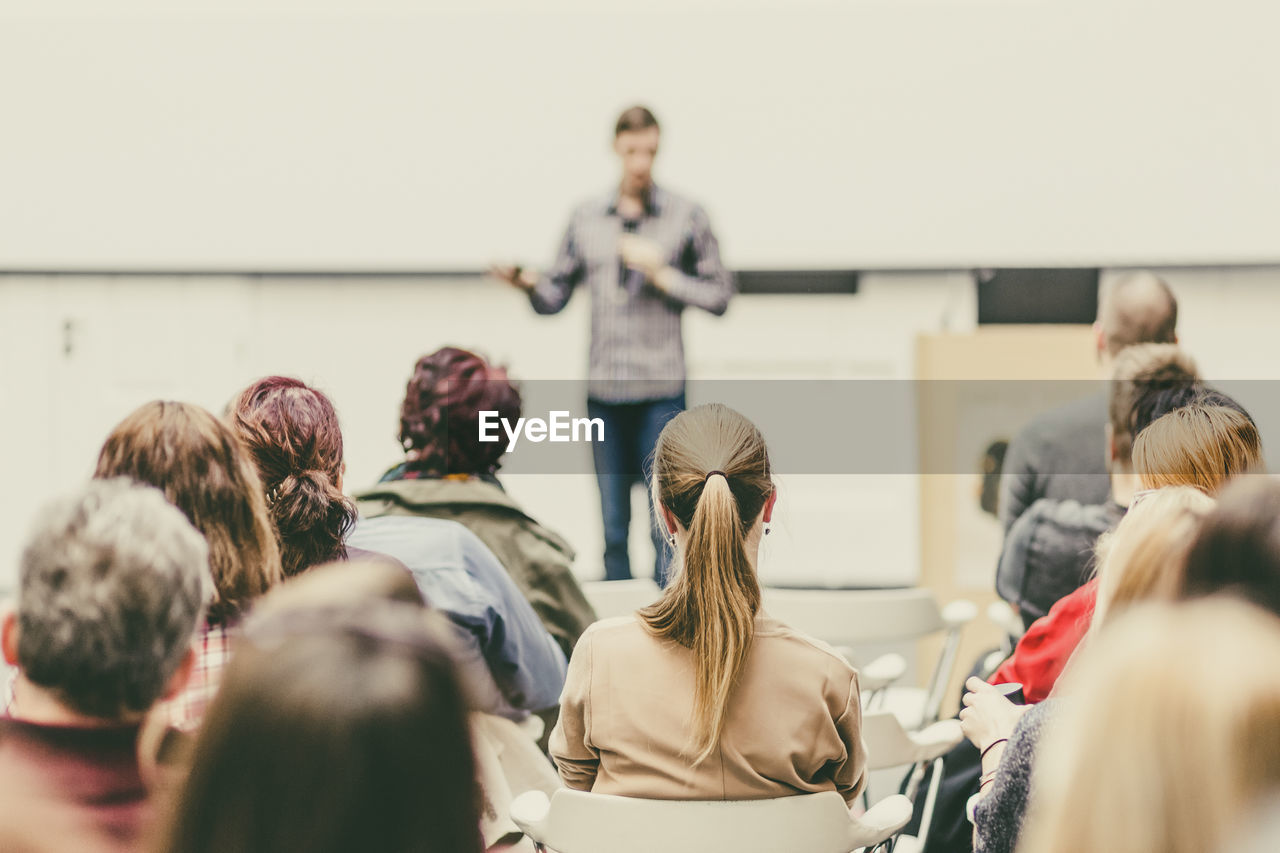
x=631, y=280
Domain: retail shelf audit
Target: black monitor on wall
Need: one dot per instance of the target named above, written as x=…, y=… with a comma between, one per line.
x=1062, y=295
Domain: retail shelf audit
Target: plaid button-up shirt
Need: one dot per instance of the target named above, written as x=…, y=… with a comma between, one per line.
x=637, y=352
x=213, y=651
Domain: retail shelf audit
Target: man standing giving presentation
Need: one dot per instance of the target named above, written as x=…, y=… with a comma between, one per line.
x=645, y=253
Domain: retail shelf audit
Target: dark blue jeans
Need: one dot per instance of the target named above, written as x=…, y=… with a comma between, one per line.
x=622, y=460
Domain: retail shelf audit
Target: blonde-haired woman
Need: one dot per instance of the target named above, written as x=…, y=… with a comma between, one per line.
x=1142, y=560
x=702, y=696
x=1177, y=739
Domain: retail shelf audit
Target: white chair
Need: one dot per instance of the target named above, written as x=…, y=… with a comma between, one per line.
x=621, y=598
x=890, y=745
x=1004, y=617
x=850, y=619
x=579, y=822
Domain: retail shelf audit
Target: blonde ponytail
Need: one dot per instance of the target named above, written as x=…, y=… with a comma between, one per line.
x=711, y=470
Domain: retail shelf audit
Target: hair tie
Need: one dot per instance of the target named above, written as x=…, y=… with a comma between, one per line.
x=711, y=473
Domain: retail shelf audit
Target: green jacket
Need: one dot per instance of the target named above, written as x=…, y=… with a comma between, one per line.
x=537, y=559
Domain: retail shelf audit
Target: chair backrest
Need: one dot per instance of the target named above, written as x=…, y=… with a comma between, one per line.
x=580, y=822
x=890, y=745
x=856, y=617
x=621, y=598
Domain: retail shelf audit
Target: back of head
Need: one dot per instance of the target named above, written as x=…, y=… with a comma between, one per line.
x=334, y=729
x=1197, y=445
x=1147, y=378
x=440, y=416
x=1137, y=309
x=992, y=465
x=711, y=470
x=1238, y=547
x=111, y=586
x=1144, y=557
x=1170, y=736
x=292, y=432
x=204, y=470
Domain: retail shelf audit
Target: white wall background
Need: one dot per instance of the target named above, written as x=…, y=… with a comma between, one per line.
x=387, y=134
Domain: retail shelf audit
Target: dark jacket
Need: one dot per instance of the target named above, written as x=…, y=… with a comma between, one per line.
x=1062, y=454
x=537, y=559
x=1048, y=552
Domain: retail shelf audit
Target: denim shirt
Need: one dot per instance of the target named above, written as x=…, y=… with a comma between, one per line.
x=462, y=579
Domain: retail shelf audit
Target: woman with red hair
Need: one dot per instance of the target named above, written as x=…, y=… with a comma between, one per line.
x=293, y=434
x=449, y=473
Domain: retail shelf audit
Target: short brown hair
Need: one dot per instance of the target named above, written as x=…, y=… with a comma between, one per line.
x=1138, y=309
x=635, y=118
x=204, y=470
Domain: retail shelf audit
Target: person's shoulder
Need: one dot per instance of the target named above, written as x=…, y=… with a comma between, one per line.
x=614, y=625
x=1088, y=411
x=673, y=202
x=417, y=541
x=798, y=646
x=1067, y=515
x=594, y=206
x=615, y=634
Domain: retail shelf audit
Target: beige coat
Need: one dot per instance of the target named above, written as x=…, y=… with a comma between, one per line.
x=794, y=722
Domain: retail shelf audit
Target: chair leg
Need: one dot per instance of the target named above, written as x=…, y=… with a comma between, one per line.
x=930, y=800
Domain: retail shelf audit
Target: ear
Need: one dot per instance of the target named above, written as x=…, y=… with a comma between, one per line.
x=342, y=472
x=1099, y=338
x=768, y=505
x=9, y=633
x=669, y=520
x=1111, y=443
x=181, y=675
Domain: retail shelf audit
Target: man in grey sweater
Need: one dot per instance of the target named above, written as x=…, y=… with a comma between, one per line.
x=1062, y=454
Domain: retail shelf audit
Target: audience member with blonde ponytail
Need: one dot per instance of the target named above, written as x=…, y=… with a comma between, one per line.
x=703, y=696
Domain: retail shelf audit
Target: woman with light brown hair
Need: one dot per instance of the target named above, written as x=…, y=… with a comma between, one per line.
x=205, y=471
x=703, y=696
x=1199, y=445
x=1175, y=739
